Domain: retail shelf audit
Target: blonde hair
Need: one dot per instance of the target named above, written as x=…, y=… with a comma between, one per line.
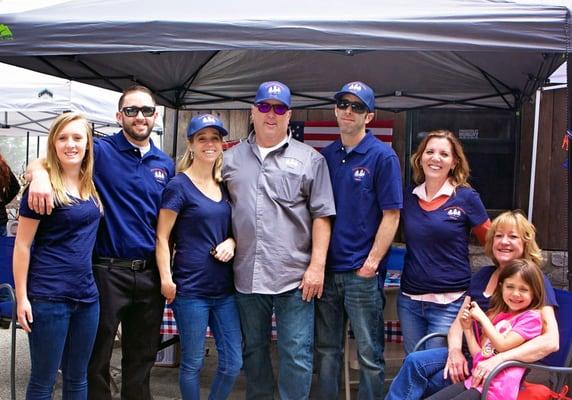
x=531, y=274
x=187, y=160
x=53, y=165
x=459, y=175
x=526, y=231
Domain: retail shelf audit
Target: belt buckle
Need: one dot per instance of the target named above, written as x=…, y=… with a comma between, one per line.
x=138, y=265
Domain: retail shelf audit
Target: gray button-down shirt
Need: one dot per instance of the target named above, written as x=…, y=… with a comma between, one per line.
x=274, y=202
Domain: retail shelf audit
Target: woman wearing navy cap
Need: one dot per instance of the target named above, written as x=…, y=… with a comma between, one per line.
x=55, y=290
x=438, y=216
x=196, y=211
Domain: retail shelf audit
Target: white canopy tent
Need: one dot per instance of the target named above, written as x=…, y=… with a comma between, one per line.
x=31, y=100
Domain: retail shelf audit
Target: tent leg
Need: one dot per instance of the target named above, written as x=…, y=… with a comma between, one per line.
x=569, y=125
x=175, y=133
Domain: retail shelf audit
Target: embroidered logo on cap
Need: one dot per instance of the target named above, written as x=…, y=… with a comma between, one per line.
x=208, y=119
x=274, y=90
x=355, y=86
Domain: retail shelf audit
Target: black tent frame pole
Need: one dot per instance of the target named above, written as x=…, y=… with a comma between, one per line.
x=568, y=132
x=175, y=133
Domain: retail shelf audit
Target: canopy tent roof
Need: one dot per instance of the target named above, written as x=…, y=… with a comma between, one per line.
x=31, y=100
x=466, y=53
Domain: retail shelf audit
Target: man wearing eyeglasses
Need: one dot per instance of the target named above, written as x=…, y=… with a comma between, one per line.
x=281, y=206
x=129, y=174
x=366, y=179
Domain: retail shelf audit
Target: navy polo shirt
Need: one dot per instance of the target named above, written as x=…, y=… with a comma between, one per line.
x=130, y=187
x=201, y=224
x=60, y=258
x=437, y=258
x=480, y=280
x=365, y=182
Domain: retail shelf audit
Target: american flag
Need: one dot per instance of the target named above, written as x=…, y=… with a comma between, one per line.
x=319, y=134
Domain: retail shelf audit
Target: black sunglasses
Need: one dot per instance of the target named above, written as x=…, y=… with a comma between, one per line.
x=279, y=109
x=357, y=107
x=133, y=111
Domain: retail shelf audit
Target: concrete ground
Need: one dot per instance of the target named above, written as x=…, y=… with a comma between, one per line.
x=164, y=380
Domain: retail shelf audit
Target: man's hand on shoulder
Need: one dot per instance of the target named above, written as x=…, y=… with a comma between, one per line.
x=40, y=191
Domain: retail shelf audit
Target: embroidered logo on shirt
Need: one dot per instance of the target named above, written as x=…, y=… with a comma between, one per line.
x=360, y=173
x=292, y=163
x=160, y=175
x=454, y=212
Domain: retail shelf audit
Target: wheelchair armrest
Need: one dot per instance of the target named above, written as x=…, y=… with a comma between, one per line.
x=507, y=364
x=425, y=338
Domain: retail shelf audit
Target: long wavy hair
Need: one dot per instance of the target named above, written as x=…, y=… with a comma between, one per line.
x=4, y=175
x=531, y=274
x=459, y=175
x=54, y=167
x=526, y=231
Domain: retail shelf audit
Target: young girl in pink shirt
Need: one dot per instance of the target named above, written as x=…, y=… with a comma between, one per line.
x=514, y=317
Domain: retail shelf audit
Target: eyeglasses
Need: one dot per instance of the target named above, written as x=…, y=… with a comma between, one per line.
x=279, y=109
x=133, y=111
x=357, y=107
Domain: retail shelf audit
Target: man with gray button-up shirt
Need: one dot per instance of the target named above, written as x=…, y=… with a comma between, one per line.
x=282, y=201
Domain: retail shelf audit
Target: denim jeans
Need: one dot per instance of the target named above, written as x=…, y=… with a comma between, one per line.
x=346, y=293
x=420, y=318
x=295, y=328
x=420, y=375
x=192, y=316
x=62, y=334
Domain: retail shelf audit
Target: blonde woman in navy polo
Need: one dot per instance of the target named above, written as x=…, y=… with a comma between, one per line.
x=196, y=212
x=438, y=216
x=55, y=289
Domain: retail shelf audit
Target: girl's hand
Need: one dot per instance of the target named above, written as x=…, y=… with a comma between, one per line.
x=476, y=312
x=169, y=290
x=24, y=312
x=224, y=251
x=466, y=320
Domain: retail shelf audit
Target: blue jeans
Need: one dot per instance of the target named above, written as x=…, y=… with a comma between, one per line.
x=420, y=375
x=62, y=334
x=295, y=328
x=420, y=318
x=192, y=316
x=346, y=293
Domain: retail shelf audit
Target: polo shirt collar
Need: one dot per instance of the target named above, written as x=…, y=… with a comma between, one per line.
x=363, y=146
x=124, y=145
x=252, y=139
x=446, y=190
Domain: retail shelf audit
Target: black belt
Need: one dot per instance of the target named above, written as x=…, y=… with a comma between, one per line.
x=133, y=265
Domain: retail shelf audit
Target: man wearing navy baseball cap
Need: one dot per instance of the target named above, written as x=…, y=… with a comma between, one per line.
x=366, y=179
x=278, y=185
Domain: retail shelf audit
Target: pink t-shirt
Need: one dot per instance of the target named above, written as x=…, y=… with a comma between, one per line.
x=505, y=385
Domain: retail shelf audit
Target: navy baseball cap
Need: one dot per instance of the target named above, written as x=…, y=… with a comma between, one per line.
x=273, y=90
x=360, y=90
x=205, y=121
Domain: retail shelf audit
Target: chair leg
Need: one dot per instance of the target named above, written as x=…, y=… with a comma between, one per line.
x=347, y=382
